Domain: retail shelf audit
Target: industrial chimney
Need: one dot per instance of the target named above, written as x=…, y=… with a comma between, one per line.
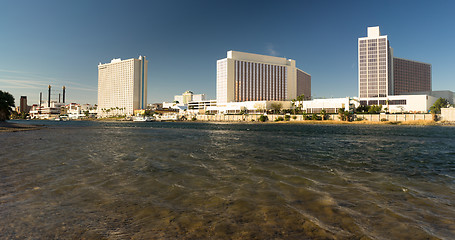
x=40, y=101
x=64, y=88
x=49, y=97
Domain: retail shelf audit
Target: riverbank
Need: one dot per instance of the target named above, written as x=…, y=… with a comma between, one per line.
x=364, y=122
x=16, y=127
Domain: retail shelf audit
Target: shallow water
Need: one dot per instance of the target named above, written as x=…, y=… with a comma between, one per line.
x=240, y=181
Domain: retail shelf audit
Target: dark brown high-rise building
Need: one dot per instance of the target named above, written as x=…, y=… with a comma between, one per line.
x=23, y=104
x=303, y=84
x=410, y=76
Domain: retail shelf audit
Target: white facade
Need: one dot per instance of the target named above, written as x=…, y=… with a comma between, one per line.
x=330, y=105
x=122, y=86
x=448, y=114
x=249, y=106
x=200, y=106
x=403, y=103
x=187, y=97
x=375, y=65
x=252, y=77
x=312, y=106
x=446, y=94
x=77, y=111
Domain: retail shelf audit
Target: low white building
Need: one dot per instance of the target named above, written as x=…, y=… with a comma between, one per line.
x=330, y=105
x=393, y=104
x=253, y=107
x=76, y=111
x=403, y=103
x=174, y=106
x=200, y=107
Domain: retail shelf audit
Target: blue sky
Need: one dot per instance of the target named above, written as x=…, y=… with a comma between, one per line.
x=61, y=42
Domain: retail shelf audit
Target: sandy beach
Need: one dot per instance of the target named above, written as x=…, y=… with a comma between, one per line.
x=16, y=127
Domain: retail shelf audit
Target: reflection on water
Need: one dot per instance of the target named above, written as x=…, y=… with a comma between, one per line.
x=240, y=181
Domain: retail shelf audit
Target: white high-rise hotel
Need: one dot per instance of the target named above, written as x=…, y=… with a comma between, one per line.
x=122, y=86
x=252, y=77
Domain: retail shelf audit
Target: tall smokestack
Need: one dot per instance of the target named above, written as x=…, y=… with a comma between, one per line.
x=40, y=101
x=64, y=88
x=59, y=98
x=49, y=97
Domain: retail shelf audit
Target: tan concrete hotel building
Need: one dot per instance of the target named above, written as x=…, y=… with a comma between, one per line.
x=122, y=86
x=245, y=77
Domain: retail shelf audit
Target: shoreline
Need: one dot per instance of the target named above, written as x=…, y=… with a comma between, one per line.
x=17, y=127
x=334, y=122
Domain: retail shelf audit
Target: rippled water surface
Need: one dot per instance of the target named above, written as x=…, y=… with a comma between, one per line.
x=97, y=180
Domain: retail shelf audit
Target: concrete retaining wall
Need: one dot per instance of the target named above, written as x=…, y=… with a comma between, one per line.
x=272, y=117
x=395, y=117
x=448, y=114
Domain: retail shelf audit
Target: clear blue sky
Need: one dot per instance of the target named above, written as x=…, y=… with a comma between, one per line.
x=62, y=42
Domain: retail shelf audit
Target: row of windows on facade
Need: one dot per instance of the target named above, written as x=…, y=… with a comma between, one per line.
x=383, y=102
x=373, y=61
x=260, y=77
x=372, y=66
x=372, y=50
x=364, y=82
x=364, y=56
x=373, y=86
x=372, y=75
x=414, y=70
x=373, y=71
x=260, y=90
x=383, y=57
x=246, y=68
x=363, y=48
x=373, y=54
x=373, y=95
x=370, y=82
x=373, y=40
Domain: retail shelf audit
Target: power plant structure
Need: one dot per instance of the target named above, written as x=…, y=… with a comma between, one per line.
x=50, y=108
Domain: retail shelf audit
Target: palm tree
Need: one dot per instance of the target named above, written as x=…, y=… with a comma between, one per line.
x=300, y=100
x=6, y=103
x=293, y=104
x=387, y=102
x=323, y=113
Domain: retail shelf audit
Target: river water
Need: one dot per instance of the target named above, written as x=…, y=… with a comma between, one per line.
x=95, y=180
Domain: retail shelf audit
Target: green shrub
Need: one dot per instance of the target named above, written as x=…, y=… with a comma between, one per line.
x=279, y=119
x=287, y=117
x=294, y=117
x=315, y=117
x=263, y=118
